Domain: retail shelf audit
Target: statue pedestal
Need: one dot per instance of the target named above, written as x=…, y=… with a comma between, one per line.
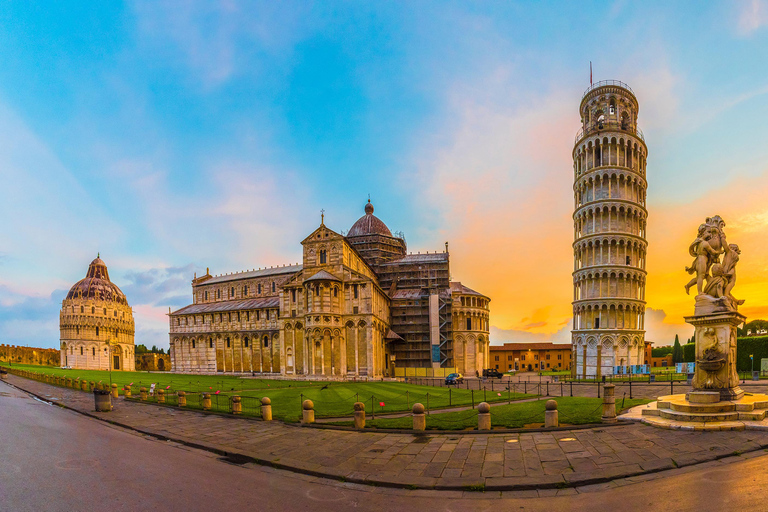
x=716, y=355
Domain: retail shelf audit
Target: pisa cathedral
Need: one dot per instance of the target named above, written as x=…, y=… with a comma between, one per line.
x=96, y=324
x=358, y=306
x=609, y=164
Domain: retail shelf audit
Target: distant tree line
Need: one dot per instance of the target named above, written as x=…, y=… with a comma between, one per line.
x=142, y=349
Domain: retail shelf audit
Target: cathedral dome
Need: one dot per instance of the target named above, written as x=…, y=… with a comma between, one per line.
x=369, y=224
x=97, y=285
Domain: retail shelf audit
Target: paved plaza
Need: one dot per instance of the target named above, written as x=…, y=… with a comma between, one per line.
x=490, y=461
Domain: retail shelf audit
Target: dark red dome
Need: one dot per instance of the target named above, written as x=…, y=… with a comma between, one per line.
x=97, y=285
x=369, y=224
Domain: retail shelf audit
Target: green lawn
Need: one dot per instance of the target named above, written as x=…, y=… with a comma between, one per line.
x=330, y=398
x=573, y=411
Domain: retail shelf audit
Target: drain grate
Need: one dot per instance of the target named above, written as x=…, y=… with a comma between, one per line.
x=237, y=459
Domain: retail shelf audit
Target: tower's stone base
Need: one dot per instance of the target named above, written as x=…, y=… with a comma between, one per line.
x=704, y=410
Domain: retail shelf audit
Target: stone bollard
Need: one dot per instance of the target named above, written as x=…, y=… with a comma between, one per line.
x=419, y=419
x=143, y=393
x=206, y=401
x=84, y=385
x=483, y=416
x=307, y=412
x=68, y=382
x=359, y=415
x=266, y=409
x=160, y=396
x=182, y=396
x=551, y=415
x=115, y=393
x=92, y=387
x=237, y=405
x=127, y=391
x=609, y=403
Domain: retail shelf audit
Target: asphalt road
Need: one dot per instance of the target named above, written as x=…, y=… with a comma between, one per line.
x=53, y=459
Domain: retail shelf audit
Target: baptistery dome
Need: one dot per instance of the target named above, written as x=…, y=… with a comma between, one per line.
x=96, y=285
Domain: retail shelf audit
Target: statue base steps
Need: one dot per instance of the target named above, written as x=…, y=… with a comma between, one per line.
x=703, y=413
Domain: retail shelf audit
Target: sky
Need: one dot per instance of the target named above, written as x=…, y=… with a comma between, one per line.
x=175, y=136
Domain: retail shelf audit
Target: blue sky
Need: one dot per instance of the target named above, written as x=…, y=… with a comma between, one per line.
x=177, y=136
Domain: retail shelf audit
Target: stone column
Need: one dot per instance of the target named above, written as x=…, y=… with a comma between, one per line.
x=266, y=409
x=114, y=391
x=715, y=336
x=609, y=404
x=308, y=412
x=182, y=398
x=419, y=419
x=206, y=401
x=359, y=415
x=551, y=419
x=237, y=405
x=483, y=416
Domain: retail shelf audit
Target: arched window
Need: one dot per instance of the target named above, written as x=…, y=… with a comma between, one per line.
x=93, y=310
x=245, y=291
x=227, y=342
x=232, y=292
x=218, y=294
x=94, y=351
x=97, y=331
x=259, y=288
x=273, y=287
x=193, y=343
x=317, y=290
x=81, y=350
x=206, y=295
x=266, y=341
x=323, y=257
x=469, y=323
x=335, y=292
x=210, y=342
x=77, y=328
x=105, y=311
x=245, y=342
x=82, y=310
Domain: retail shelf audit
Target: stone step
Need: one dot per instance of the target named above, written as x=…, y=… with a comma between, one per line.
x=719, y=407
x=703, y=397
x=757, y=415
x=650, y=412
x=698, y=417
x=697, y=426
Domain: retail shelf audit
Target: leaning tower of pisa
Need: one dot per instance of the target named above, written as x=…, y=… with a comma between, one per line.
x=609, y=248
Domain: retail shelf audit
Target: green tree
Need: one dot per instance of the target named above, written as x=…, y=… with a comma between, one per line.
x=141, y=349
x=677, y=351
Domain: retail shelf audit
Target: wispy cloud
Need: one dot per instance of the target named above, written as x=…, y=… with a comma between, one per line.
x=753, y=15
x=215, y=40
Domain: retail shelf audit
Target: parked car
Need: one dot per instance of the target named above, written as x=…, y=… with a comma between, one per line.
x=492, y=372
x=454, y=378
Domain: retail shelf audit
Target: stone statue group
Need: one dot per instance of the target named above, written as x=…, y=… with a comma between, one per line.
x=714, y=280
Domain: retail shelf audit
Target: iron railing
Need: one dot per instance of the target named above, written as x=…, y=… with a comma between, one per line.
x=602, y=83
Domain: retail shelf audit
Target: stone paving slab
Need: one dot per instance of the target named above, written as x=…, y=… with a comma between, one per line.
x=502, y=462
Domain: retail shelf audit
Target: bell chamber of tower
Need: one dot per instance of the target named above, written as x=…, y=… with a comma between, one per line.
x=609, y=248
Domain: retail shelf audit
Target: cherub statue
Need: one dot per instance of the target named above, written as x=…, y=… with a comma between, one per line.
x=705, y=256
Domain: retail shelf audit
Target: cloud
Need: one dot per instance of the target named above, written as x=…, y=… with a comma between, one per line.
x=215, y=40
x=752, y=16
